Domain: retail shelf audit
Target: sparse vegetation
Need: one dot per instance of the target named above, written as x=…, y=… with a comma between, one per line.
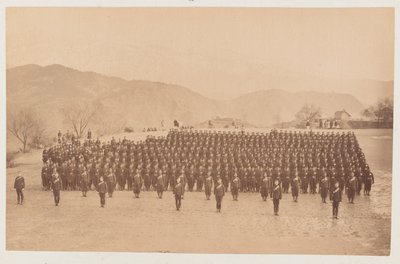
x=25, y=125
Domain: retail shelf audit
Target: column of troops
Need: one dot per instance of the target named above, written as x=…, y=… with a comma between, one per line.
x=245, y=162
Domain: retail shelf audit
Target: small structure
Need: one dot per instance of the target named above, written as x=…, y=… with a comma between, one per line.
x=342, y=115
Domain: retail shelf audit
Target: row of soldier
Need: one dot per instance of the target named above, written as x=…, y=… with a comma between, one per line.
x=195, y=155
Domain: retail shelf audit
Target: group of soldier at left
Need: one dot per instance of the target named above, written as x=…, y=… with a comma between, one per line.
x=268, y=163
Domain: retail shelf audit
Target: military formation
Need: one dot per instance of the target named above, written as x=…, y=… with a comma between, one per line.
x=267, y=163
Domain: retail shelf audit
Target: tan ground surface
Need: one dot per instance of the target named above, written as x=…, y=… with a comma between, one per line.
x=247, y=226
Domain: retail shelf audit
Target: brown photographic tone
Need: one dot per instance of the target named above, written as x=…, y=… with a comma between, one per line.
x=200, y=130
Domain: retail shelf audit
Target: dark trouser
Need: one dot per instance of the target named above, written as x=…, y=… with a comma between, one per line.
x=102, y=199
x=350, y=194
x=160, y=190
x=208, y=192
x=324, y=194
x=276, y=205
x=335, y=208
x=235, y=193
x=20, y=196
x=56, y=194
x=264, y=193
x=178, y=201
x=110, y=188
x=219, y=201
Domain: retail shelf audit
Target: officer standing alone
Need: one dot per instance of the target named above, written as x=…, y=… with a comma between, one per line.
x=219, y=193
x=19, y=186
x=276, y=196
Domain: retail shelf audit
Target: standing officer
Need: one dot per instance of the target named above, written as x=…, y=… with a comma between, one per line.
x=56, y=185
x=208, y=185
x=235, y=185
x=336, y=198
x=110, y=182
x=102, y=189
x=84, y=183
x=295, y=187
x=276, y=195
x=264, y=187
x=137, y=184
x=160, y=185
x=219, y=193
x=178, y=191
x=19, y=186
x=369, y=180
x=351, y=188
x=324, y=187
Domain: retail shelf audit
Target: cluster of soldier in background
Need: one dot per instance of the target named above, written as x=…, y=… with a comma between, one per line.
x=303, y=161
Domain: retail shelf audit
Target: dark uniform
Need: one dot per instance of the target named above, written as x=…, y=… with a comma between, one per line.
x=160, y=186
x=178, y=191
x=235, y=185
x=295, y=188
x=336, y=199
x=208, y=187
x=84, y=183
x=56, y=185
x=102, y=189
x=351, y=188
x=219, y=193
x=276, y=195
x=19, y=186
x=324, y=188
x=369, y=180
x=137, y=185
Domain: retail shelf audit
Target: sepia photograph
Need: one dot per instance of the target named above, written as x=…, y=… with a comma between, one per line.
x=207, y=130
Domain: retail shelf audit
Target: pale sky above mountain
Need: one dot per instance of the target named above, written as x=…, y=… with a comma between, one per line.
x=218, y=52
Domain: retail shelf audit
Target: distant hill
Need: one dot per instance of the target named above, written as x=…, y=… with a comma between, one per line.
x=275, y=106
x=140, y=104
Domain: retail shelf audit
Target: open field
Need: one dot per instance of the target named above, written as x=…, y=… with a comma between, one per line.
x=149, y=224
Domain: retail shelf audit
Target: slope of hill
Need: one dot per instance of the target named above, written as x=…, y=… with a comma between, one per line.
x=139, y=103
x=274, y=106
x=144, y=104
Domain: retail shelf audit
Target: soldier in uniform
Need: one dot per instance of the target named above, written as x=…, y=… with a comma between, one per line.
x=264, y=187
x=110, y=182
x=336, y=199
x=102, y=189
x=19, y=186
x=84, y=183
x=137, y=184
x=219, y=193
x=276, y=195
x=178, y=192
x=235, y=185
x=160, y=185
x=351, y=188
x=324, y=187
x=56, y=185
x=295, y=187
x=44, y=177
x=369, y=180
x=208, y=185
x=286, y=182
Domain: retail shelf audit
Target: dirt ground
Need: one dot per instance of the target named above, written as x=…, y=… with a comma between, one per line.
x=150, y=224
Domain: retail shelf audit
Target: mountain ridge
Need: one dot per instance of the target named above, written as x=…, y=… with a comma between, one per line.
x=141, y=103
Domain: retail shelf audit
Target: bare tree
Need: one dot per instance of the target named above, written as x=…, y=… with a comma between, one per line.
x=23, y=124
x=308, y=112
x=368, y=113
x=38, y=136
x=79, y=115
x=382, y=111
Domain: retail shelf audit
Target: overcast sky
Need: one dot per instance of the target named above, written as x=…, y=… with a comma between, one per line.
x=214, y=51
